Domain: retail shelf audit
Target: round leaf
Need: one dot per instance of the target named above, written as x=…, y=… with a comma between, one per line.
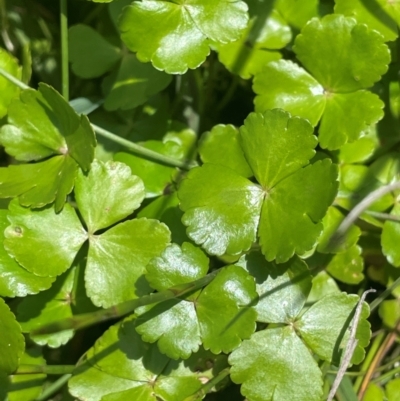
x=221, y=208
x=15, y=281
x=292, y=211
x=275, y=365
x=117, y=260
x=7, y=89
x=60, y=235
x=12, y=342
x=276, y=145
x=285, y=85
x=107, y=194
x=342, y=55
x=173, y=36
x=221, y=146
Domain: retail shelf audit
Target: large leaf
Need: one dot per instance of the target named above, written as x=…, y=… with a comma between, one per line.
x=121, y=366
x=174, y=35
x=31, y=232
x=12, y=342
x=7, y=89
x=274, y=365
x=14, y=279
x=117, y=260
x=218, y=318
x=123, y=193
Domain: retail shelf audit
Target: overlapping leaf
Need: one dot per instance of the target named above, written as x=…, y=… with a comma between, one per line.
x=7, y=89
x=224, y=211
x=218, y=317
x=42, y=124
x=121, y=366
x=175, y=36
x=337, y=54
x=116, y=258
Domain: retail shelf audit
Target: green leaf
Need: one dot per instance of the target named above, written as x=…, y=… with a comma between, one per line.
x=322, y=285
x=120, y=366
x=282, y=289
x=393, y=389
x=390, y=238
x=41, y=183
x=324, y=327
x=342, y=55
x=12, y=342
x=133, y=84
x=155, y=176
x=221, y=145
x=61, y=301
x=292, y=224
x=389, y=312
x=218, y=318
x=174, y=36
x=346, y=116
x=276, y=145
x=27, y=387
x=286, y=85
x=61, y=235
x=387, y=167
x=221, y=208
x=7, y=89
x=93, y=56
x=15, y=281
x=298, y=12
x=374, y=393
x=275, y=365
x=177, y=265
x=379, y=15
x=107, y=194
x=117, y=260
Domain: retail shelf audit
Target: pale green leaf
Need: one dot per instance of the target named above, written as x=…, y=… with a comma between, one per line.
x=221, y=145
x=117, y=260
x=393, y=389
x=133, y=84
x=60, y=235
x=15, y=281
x=12, y=342
x=322, y=284
x=342, y=55
x=7, y=89
x=90, y=54
x=390, y=238
x=174, y=36
x=292, y=224
x=276, y=145
x=324, y=327
x=298, y=12
x=107, y=194
x=274, y=365
x=286, y=85
x=282, y=289
x=221, y=208
x=389, y=312
x=374, y=393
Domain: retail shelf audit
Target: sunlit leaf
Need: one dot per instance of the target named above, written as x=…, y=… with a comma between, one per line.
x=7, y=89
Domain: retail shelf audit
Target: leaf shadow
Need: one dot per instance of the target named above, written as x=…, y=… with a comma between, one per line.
x=379, y=12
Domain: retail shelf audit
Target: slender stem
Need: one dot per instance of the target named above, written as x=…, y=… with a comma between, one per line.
x=360, y=208
x=140, y=150
x=383, y=216
x=89, y=319
x=46, y=369
x=12, y=79
x=53, y=388
x=64, y=48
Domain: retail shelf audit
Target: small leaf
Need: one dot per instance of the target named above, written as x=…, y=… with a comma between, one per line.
x=275, y=365
x=133, y=84
x=282, y=289
x=286, y=85
x=117, y=260
x=323, y=327
x=7, y=89
x=12, y=342
x=322, y=285
x=298, y=12
x=338, y=52
x=390, y=238
x=389, y=312
x=93, y=56
x=221, y=208
x=393, y=389
x=30, y=232
x=15, y=281
x=174, y=36
x=107, y=194
x=221, y=146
